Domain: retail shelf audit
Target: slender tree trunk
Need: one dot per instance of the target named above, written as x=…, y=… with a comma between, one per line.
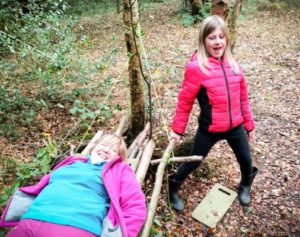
x=233, y=16
x=220, y=8
x=137, y=102
x=229, y=10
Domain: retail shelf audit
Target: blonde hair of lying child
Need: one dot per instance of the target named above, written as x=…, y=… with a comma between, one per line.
x=113, y=139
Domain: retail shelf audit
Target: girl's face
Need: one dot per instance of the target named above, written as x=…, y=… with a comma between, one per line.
x=104, y=151
x=215, y=43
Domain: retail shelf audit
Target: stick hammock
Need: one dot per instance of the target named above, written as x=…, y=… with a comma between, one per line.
x=139, y=158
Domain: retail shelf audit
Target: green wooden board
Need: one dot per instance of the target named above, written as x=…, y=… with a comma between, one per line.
x=213, y=207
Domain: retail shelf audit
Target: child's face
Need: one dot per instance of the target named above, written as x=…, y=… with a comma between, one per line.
x=104, y=151
x=215, y=43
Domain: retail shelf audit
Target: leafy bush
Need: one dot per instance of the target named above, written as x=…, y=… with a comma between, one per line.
x=188, y=19
x=39, y=57
x=90, y=109
x=205, y=10
x=25, y=23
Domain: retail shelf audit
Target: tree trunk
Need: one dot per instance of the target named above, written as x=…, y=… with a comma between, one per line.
x=196, y=6
x=233, y=16
x=220, y=8
x=137, y=102
x=229, y=10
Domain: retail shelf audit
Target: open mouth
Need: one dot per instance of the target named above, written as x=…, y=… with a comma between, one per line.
x=217, y=49
x=102, y=155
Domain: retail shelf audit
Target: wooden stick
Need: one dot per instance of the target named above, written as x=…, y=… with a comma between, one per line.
x=138, y=141
x=90, y=145
x=72, y=149
x=145, y=162
x=123, y=126
x=179, y=159
x=133, y=153
x=157, y=189
x=137, y=158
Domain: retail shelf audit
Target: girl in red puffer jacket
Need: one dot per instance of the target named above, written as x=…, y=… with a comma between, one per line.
x=217, y=81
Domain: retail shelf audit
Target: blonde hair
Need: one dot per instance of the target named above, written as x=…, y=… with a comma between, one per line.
x=116, y=140
x=209, y=25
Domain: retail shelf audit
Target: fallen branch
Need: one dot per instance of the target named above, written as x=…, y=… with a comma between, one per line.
x=157, y=189
x=138, y=141
x=145, y=162
x=179, y=159
x=90, y=145
x=123, y=126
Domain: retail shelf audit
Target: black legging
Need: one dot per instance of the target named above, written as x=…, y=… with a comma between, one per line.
x=204, y=141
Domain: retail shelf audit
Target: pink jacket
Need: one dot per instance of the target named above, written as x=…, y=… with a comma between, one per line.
x=221, y=93
x=128, y=205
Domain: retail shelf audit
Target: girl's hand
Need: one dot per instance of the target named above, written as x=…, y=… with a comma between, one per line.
x=251, y=136
x=175, y=136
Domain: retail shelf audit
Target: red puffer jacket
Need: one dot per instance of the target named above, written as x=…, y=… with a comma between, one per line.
x=222, y=96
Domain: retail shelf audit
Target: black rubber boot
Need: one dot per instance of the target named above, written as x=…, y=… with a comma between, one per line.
x=173, y=194
x=245, y=187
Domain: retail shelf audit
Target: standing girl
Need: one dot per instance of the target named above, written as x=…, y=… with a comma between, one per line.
x=217, y=81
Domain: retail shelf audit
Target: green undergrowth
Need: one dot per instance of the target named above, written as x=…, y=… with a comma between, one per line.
x=186, y=17
x=42, y=68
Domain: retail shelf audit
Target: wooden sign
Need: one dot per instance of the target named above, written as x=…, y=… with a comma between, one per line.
x=213, y=207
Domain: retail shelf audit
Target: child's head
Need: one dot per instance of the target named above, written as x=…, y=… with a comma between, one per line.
x=211, y=25
x=109, y=146
x=213, y=41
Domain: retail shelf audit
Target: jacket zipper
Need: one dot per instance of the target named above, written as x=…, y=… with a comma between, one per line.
x=228, y=93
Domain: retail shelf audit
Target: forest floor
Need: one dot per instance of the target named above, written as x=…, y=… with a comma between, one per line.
x=268, y=47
